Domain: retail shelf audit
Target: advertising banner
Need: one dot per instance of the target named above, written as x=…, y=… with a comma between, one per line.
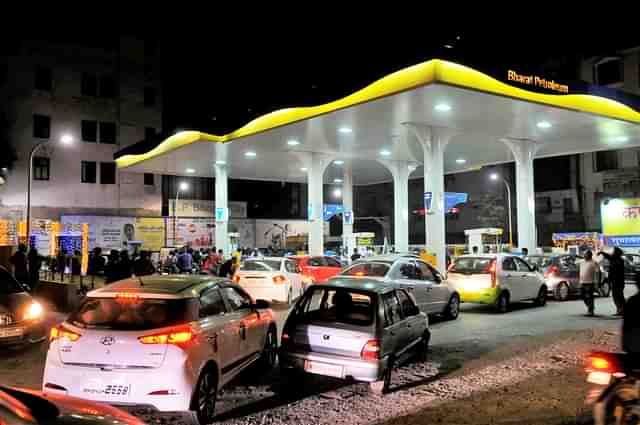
x=150, y=230
x=273, y=233
x=8, y=235
x=621, y=217
x=106, y=232
x=198, y=232
x=198, y=208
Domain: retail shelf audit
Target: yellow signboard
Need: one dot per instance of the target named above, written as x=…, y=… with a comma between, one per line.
x=150, y=230
x=621, y=217
x=534, y=80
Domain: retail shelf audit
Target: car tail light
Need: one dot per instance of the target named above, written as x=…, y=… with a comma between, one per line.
x=279, y=279
x=58, y=332
x=491, y=269
x=605, y=362
x=236, y=278
x=54, y=387
x=371, y=350
x=285, y=339
x=164, y=392
x=551, y=271
x=180, y=337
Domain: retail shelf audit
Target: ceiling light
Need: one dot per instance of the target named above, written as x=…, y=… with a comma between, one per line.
x=621, y=139
x=345, y=130
x=250, y=154
x=304, y=170
x=183, y=186
x=338, y=162
x=293, y=142
x=461, y=161
x=442, y=107
x=190, y=170
x=448, y=46
x=337, y=180
x=337, y=193
x=385, y=152
x=494, y=176
x=220, y=162
x=544, y=124
x=66, y=139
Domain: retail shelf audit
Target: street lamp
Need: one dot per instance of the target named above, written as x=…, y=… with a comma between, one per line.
x=496, y=177
x=182, y=187
x=66, y=139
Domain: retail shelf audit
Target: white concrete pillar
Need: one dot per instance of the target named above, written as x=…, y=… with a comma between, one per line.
x=316, y=164
x=347, y=206
x=222, y=234
x=524, y=151
x=400, y=173
x=434, y=141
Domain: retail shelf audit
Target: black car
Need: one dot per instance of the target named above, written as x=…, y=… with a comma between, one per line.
x=21, y=317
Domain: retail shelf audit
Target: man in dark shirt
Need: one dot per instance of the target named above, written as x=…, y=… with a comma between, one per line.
x=616, y=278
x=631, y=322
x=356, y=255
x=19, y=263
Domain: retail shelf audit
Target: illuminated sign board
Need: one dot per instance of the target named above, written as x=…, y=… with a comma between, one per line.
x=534, y=80
x=621, y=222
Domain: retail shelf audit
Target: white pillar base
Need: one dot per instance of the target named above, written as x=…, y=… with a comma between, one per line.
x=222, y=233
x=316, y=164
x=348, y=243
x=400, y=172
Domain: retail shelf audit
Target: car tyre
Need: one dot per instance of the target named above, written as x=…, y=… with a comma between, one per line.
x=453, y=308
x=502, y=303
x=381, y=386
x=541, y=299
x=205, y=397
x=562, y=292
x=605, y=289
x=269, y=354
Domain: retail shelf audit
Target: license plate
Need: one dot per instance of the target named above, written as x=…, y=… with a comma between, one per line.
x=599, y=378
x=110, y=391
x=13, y=332
x=323, y=369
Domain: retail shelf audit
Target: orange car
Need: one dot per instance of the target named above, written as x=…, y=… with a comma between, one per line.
x=320, y=269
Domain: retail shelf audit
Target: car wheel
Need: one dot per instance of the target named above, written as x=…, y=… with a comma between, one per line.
x=204, y=397
x=423, y=346
x=269, y=353
x=562, y=292
x=541, y=299
x=605, y=289
x=453, y=308
x=502, y=304
x=382, y=386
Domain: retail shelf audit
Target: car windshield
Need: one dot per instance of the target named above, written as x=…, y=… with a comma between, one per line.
x=331, y=305
x=8, y=285
x=260, y=265
x=471, y=265
x=538, y=260
x=369, y=269
x=133, y=313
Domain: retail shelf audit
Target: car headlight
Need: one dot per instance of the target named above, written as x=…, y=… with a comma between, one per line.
x=34, y=311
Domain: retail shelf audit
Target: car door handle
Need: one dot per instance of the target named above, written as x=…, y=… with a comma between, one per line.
x=410, y=288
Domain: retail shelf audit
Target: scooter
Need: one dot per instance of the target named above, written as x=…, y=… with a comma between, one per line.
x=615, y=397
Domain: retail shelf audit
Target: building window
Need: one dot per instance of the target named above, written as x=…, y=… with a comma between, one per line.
x=108, y=132
x=89, y=131
x=41, y=168
x=88, y=172
x=89, y=86
x=605, y=160
x=43, y=79
x=148, y=179
x=609, y=71
x=107, y=173
x=107, y=87
x=41, y=126
x=149, y=96
x=149, y=133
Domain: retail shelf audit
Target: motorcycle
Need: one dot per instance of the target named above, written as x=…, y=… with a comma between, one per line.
x=615, y=396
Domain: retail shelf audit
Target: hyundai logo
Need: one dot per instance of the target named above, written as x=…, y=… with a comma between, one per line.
x=107, y=340
x=326, y=337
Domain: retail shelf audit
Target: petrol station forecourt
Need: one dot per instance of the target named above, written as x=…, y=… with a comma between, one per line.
x=433, y=118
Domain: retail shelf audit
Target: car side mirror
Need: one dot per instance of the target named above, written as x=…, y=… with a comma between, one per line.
x=412, y=310
x=260, y=305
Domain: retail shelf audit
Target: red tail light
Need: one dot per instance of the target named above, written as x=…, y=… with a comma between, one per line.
x=371, y=350
x=551, y=271
x=180, y=337
x=60, y=331
x=236, y=278
x=492, y=271
x=279, y=279
x=54, y=387
x=604, y=362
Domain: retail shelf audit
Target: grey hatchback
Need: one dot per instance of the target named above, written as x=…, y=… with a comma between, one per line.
x=353, y=330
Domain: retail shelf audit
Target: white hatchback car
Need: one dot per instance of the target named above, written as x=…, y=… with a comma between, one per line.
x=271, y=278
x=168, y=342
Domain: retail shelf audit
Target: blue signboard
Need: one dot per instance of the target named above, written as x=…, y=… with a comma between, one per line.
x=623, y=241
x=329, y=210
x=451, y=199
x=348, y=217
x=428, y=198
x=221, y=214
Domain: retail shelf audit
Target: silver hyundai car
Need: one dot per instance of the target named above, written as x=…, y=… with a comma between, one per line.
x=353, y=330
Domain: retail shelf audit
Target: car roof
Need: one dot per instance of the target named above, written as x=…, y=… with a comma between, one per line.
x=388, y=258
x=266, y=258
x=170, y=286
x=359, y=283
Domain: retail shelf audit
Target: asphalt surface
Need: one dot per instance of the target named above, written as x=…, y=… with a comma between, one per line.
x=255, y=399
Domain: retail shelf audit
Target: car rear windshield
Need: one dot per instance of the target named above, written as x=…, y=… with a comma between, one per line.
x=331, y=305
x=8, y=285
x=471, y=265
x=134, y=314
x=260, y=265
x=367, y=269
x=539, y=261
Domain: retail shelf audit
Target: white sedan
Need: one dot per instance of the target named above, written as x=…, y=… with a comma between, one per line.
x=271, y=278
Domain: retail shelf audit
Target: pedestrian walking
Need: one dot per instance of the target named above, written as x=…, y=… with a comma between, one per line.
x=588, y=271
x=19, y=263
x=616, y=278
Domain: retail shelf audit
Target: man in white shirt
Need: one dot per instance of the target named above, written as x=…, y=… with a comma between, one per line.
x=588, y=270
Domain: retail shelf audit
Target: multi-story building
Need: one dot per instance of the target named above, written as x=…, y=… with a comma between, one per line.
x=97, y=99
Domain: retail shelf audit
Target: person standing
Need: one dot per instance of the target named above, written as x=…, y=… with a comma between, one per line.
x=112, y=267
x=588, y=270
x=616, y=278
x=35, y=263
x=143, y=265
x=124, y=266
x=19, y=263
x=631, y=322
x=356, y=255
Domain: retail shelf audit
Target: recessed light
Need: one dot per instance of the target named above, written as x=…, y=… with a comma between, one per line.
x=190, y=170
x=448, y=46
x=337, y=180
x=385, y=152
x=544, y=124
x=293, y=142
x=621, y=139
x=338, y=162
x=345, y=130
x=250, y=154
x=221, y=162
x=442, y=107
x=461, y=161
x=337, y=193
x=304, y=170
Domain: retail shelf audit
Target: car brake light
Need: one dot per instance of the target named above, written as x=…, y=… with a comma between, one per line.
x=492, y=271
x=279, y=279
x=603, y=362
x=236, y=278
x=359, y=274
x=54, y=387
x=58, y=332
x=164, y=392
x=551, y=271
x=371, y=350
x=179, y=337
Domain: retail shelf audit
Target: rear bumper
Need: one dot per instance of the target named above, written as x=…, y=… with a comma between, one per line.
x=553, y=282
x=23, y=333
x=480, y=296
x=359, y=370
x=269, y=293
